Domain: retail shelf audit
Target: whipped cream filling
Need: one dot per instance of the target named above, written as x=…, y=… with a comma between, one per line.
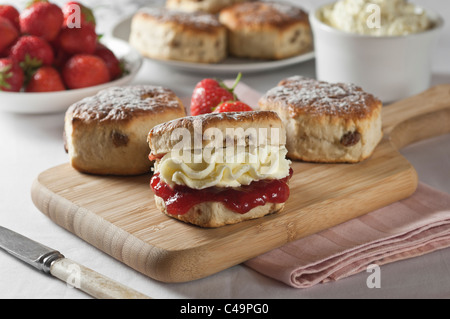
x=218, y=168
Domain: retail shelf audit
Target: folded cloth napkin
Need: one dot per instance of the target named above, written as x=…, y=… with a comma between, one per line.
x=412, y=227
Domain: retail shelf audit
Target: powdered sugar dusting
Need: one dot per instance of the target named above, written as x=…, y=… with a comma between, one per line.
x=195, y=19
x=122, y=103
x=268, y=12
x=213, y=119
x=304, y=95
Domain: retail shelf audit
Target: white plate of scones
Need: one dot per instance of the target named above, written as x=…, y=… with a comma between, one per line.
x=246, y=36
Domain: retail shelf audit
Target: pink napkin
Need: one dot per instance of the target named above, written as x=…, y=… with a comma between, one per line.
x=412, y=227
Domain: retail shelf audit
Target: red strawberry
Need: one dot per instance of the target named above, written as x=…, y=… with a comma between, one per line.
x=42, y=19
x=78, y=40
x=209, y=93
x=233, y=106
x=8, y=33
x=46, y=79
x=32, y=52
x=112, y=62
x=11, y=76
x=10, y=13
x=84, y=70
x=77, y=15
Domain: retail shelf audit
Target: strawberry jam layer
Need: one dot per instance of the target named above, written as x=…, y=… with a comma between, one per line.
x=241, y=200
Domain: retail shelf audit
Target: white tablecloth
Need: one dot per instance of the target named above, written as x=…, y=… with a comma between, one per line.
x=31, y=144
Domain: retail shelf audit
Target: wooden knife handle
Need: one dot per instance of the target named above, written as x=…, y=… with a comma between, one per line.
x=91, y=282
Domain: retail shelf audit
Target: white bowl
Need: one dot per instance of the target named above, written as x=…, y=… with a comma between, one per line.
x=53, y=102
x=390, y=67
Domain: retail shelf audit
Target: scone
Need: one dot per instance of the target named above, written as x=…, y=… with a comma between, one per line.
x=266, y=30
x=220, y=168
x=174, y=35
x=210, y=6
x=106, y=134
x=326, y=122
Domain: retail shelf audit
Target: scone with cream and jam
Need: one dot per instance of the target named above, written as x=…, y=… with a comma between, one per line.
x=220, y=168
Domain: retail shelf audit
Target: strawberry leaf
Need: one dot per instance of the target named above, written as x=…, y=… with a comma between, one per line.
x=231, y=90
x=88, y=14
x=5, y=74
x=31, y=2
x=30, y=66
x=123, y=68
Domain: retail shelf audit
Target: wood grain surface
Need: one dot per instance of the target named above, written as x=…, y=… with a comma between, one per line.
x=118, y=215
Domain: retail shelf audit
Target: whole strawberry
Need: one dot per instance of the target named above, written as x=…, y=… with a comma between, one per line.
x=84, y=70
x=8, y=34
x=11, y=13
x=78, y=40
x=45, y=79
x=77, y=15
x=42, y=19
x=31, y=52
x=233, y=106
x=11, y=76
x=112, y=62
x=209, y=93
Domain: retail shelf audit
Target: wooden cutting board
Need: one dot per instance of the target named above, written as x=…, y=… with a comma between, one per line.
x=118, y=215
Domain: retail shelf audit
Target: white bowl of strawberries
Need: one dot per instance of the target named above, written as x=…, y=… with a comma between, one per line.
x=51, y=57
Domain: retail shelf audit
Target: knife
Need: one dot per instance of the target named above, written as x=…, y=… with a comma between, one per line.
x=52, y=262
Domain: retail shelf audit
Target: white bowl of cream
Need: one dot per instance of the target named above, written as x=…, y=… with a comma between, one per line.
x=384, y=46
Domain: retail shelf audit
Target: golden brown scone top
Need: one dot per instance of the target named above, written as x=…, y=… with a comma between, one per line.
x=197, y=21
x=219, y=120
x=259, y=13
x=160, y=140
x=125, y=103
x=301, y=95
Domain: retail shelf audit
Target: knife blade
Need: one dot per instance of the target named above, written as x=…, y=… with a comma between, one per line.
x=52, y=262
